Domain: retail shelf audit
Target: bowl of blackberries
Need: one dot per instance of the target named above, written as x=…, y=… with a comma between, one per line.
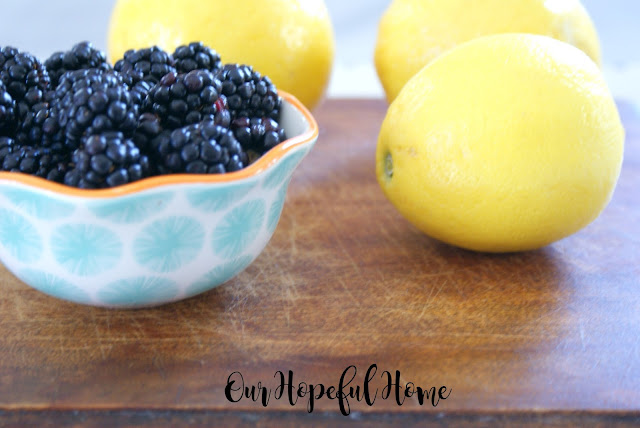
x=144, y=182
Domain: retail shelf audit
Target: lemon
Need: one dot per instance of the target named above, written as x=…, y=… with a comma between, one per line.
x=505, y=143
x=414, y=32
x=291, y=41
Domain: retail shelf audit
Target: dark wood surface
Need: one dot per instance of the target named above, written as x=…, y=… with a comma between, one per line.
x=550, y=337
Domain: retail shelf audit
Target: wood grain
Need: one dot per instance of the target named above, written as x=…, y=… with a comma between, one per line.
x=550, y=337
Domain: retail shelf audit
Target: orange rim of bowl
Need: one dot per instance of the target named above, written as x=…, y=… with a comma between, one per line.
x=260, y=165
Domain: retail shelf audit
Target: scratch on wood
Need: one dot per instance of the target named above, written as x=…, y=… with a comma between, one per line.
x=458, y=290
x=287, y=298
x=17, y=304
x=430, y=298
x=187, y=322
x=293, y=233
x=383, y=284
x=157, y=363
x=98, y=336
x=351, y=296
x=393, y=237
x=238, y=331
x=176, y=399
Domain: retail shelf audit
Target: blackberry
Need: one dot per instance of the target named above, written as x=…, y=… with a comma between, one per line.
x=196, y=56
x=106, y=160
x=204, y=148
x=139, y=91
x=81, y=56
x=145, y=65
x=93, y=101
x=25, y=78
x=149, y=127
x=7, y=145
x=180, y=100
x=40, y=128
x=248, y=93
x=258, y=134
x=7, y=111
x=39, y=161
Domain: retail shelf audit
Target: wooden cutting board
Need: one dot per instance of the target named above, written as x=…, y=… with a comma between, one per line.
x=550, y=337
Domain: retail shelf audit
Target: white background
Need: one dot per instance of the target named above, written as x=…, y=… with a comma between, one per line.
x=41, y=27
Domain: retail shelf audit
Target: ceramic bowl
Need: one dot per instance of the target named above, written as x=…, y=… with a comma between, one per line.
x=150, y=242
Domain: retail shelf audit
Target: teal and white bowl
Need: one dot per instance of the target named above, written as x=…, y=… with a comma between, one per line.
x=154, y=241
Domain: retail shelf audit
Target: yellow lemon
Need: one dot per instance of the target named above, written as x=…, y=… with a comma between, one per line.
x=414, y=32
x=505, y=143
x=291, y=41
